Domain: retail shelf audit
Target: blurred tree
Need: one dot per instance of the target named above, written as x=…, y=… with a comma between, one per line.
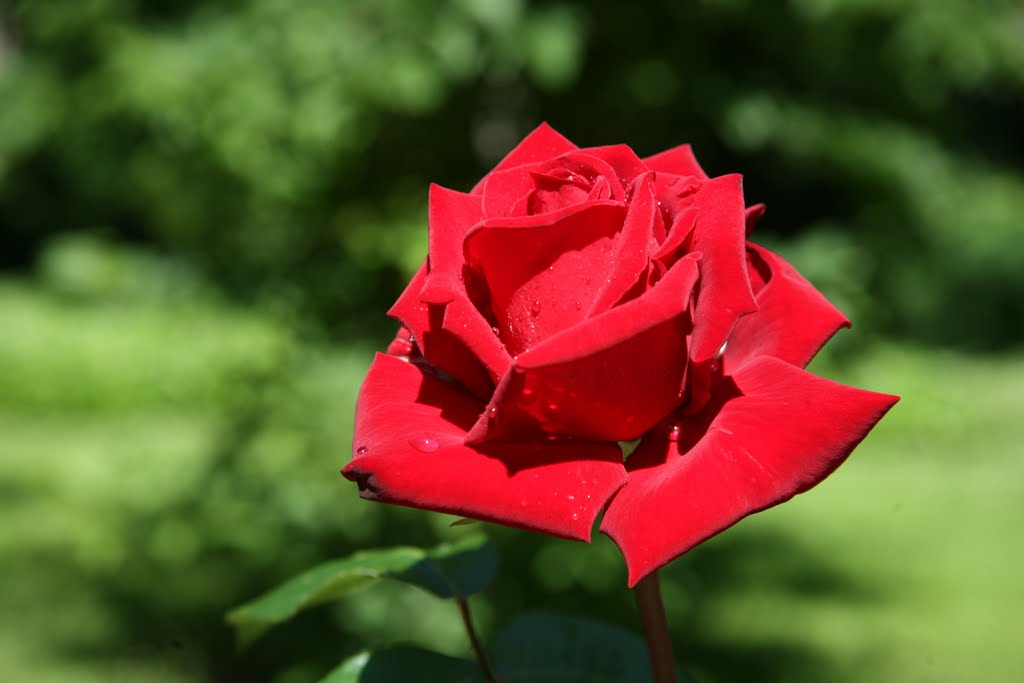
x=286, y=147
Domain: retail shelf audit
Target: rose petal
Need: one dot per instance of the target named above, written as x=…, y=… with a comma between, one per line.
x=793, y=319
x=675, y=196
x=611, y=377
x=409, y=450
x=558, y=263
x=753, y=215
x=438, y=345
x=630, y=259
x=463, y=321
x=548, y=186
x=719, y=234
x=451, y=214
x=543, y=143
x=628, y=166
x=770, y=432
x=678, y=161
x=402, y=345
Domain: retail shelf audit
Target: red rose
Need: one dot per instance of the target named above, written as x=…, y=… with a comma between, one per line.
x=576, y=298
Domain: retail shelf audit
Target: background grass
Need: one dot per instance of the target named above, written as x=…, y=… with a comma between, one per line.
x=126, y=534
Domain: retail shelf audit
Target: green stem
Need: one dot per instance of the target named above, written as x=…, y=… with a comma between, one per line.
x=474, y=641
x=659, y=643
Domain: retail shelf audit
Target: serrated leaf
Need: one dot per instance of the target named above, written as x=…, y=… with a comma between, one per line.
x=547, y=648
x=455, y=569
x=404, y=664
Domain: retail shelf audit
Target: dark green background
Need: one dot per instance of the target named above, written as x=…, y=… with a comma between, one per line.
x=206, y=208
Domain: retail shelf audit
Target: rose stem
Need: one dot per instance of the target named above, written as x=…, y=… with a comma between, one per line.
x=652, y=614
x=474, y=641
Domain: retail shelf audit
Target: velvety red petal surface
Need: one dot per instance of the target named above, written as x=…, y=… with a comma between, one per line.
x=609, y=378
x=409, y=450
x=793, y=319
x=627, y=165
x=754, y=213
x=677, y=161
x=629, y=259
x=439, y=345
x=542, y=144
x=548, y=186
x=770, y=432
x=451, y=214
x=719, y=234
x=542, y=273
x=464, y=322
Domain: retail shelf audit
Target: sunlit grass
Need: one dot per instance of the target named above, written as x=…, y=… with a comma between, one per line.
x=189, y=456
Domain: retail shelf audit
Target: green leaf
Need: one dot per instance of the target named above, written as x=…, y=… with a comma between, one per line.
x=404, y=664
x=457, y=569
x=548, y=648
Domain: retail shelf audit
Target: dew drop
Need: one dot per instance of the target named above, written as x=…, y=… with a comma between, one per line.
x=552, y=406
x=575, y=516
x=674, y=433
x=578, y=305
x=527, y=391
x=492, y=413
x=535, y=308
x=425, y=443
x=361, y=450
x=586, y=280
x=571, y=497
x=494, y=330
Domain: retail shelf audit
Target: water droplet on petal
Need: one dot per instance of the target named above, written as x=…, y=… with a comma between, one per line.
x=674, y=433
x=492, y=412
x=527, y=391
x=575, y=516
x=578, y=305
x=361, y=450
x=535, y=308
x=425, y=443
x=552, y=406
x=494, y=330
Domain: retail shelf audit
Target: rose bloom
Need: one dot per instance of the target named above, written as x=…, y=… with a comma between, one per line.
x=579, y=298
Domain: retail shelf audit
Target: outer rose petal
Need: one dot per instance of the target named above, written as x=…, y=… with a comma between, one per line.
x=753, y=215
x=612, y=377
x=451, y=215
x=719, y=234
x=437, y=344
x=678, y=161
x=542, y=144
x=409, y=433
x=769, y=432
x=793, y=319
x=402, y=345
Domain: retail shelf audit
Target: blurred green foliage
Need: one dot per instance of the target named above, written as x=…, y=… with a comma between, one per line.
x=206, y=208
x=285, y=148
